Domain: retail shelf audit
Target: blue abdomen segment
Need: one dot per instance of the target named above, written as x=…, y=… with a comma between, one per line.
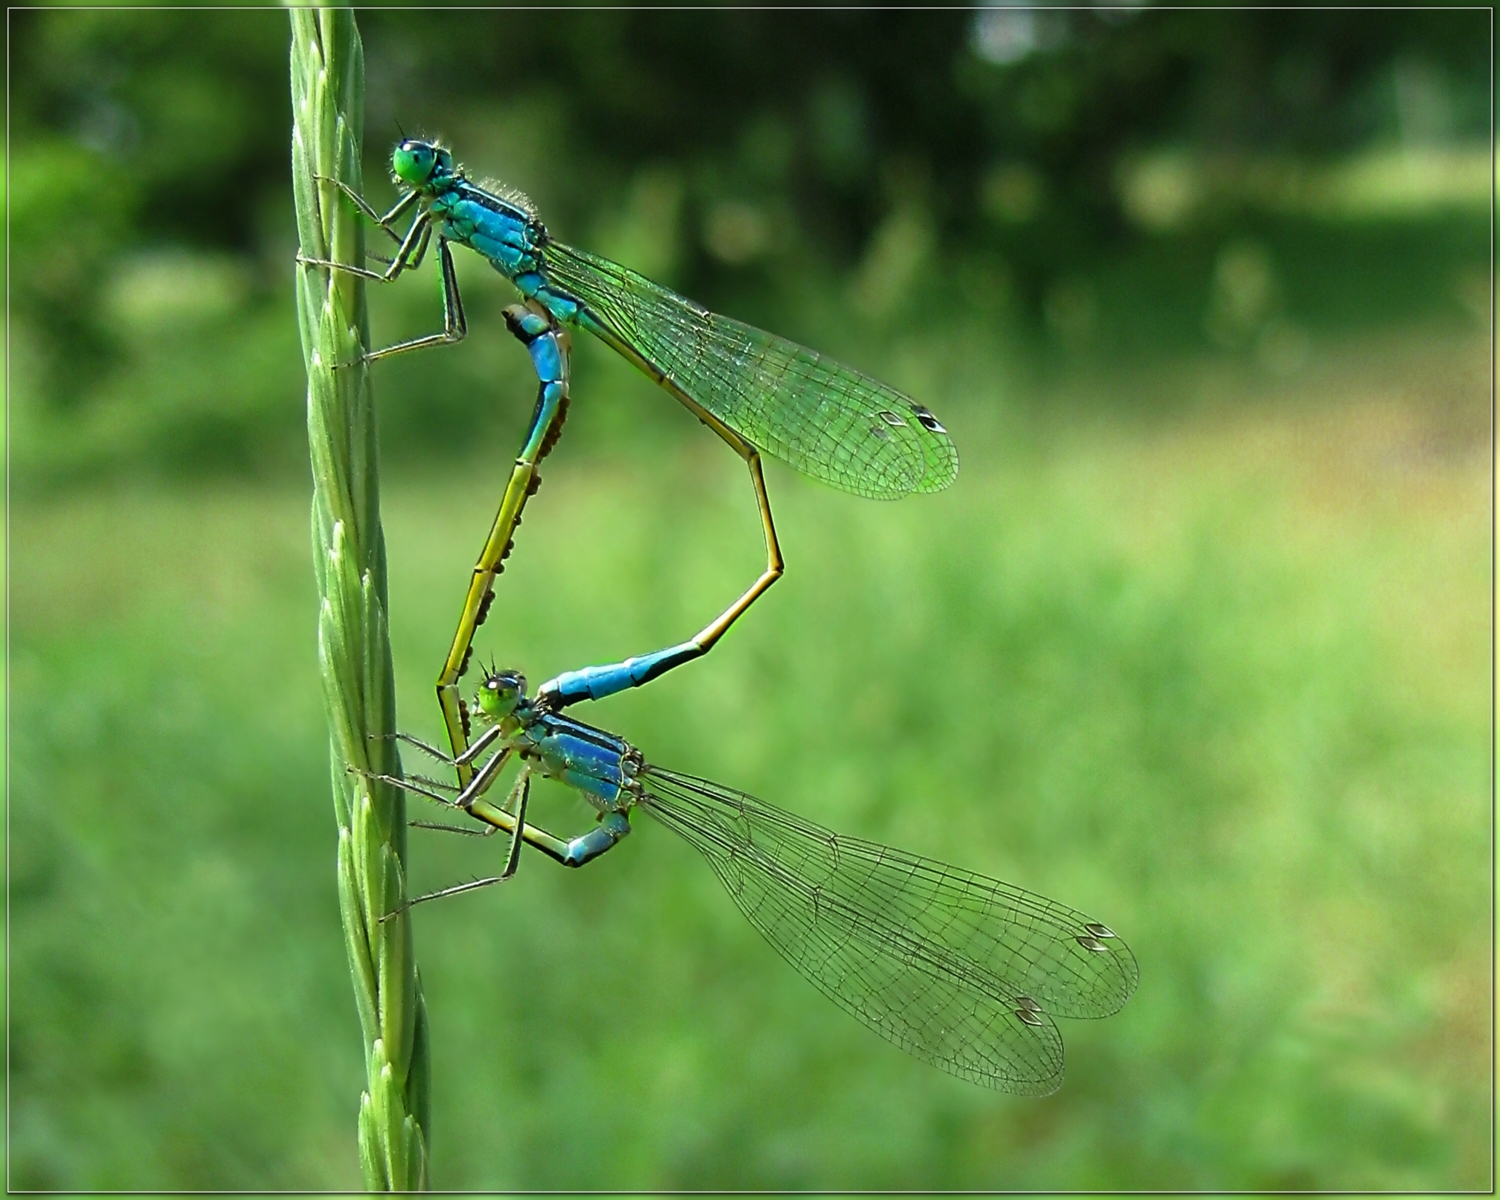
x=537, y=334
x=547, y=358
x=595, y=683
x=611, y=828
x=564, y=308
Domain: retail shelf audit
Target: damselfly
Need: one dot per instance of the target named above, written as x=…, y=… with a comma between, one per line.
x=755, y=390
x=964, y=972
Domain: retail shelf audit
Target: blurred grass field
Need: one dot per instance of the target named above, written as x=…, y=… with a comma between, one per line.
x=1219, y=679
x=1200, y=642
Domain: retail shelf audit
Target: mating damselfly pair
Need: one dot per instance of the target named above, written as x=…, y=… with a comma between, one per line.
x=963, y=971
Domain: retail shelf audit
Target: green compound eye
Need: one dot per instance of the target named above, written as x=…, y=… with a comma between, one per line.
x=499, y=694
x=413, y=162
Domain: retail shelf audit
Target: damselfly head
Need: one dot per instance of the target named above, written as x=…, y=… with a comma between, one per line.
x=500, y=693
x=417, y=162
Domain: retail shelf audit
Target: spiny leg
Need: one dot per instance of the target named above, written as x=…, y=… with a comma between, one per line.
x=486, y=831
x=406, y=254
x=386, y=222
x=457, y=889
x=455, y=324
x=549, y=347
x=426, y=748
x=471, y=799
x=477, y=747
x=411, y=251
x=433, y=790
x=574, y=852
x=437, y=790
x=517, y=800
x=594, y=683
x=515, y=808
x=515, y=804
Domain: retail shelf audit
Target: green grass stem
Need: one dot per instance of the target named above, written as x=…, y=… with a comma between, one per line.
x=353, y=645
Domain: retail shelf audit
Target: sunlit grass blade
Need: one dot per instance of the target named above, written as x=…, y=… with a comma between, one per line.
x=353, y=646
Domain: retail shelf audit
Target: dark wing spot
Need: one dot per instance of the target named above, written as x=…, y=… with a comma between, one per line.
x=927, y=420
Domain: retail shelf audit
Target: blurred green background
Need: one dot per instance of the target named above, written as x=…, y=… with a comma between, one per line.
x=1199, y=642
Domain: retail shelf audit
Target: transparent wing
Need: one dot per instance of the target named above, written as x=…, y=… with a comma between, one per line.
x=962, y=971
x=824, y=419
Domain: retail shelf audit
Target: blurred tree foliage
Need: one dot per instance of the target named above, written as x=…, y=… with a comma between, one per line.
x=938, y=161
